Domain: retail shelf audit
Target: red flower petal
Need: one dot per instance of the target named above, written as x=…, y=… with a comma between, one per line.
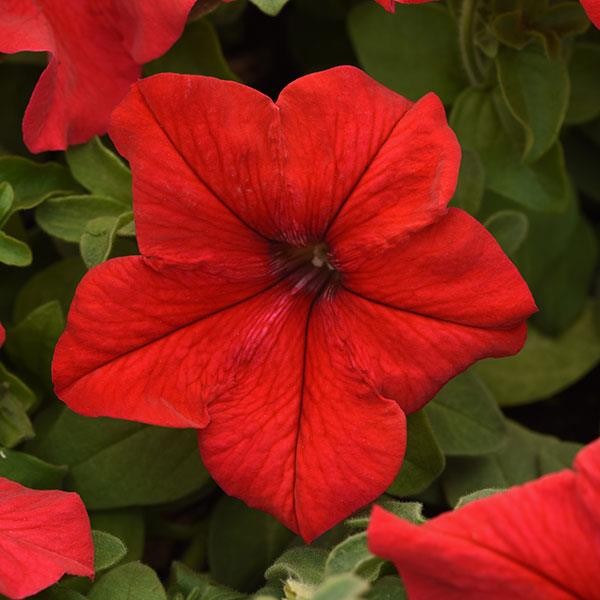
x=96, y=55
x=150, y=342
x=2, y=335
x=314, y=439
x=592, y=7
x=204, y=156
x=408, y=356
x=587, y=465
x=243, y=324
x=390, y=5
x=453, y=270
x=43, y=535
x=533, y=541
x=335, y=125
x=405, y=187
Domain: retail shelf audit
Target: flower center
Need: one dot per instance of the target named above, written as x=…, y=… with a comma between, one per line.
x=320, y=257
x=310, y=267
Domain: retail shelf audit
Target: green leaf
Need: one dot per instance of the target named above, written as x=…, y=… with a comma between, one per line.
x=471, y=183
x=59, y=592
x=125, y=524
x=270, y=7
x=108, y=550
x=6, y=201
x=133, y=581
x=424, y=460
x=303, y=564
x=14, y=252
x=242, y=543
x=198, y=585
x=557, y=260
x=341, y=587
x=30, y=471
x=185, y=580
x=15, y=426
x=562, y=291
x=509, y=227
x=483, y=124
x=584, y=103
x=546, y=365
x=387, y=588
x=115, y=464
x=518, y=461
x=66, y=217
x=465, y=418
x=479, y=495
x=536, y=90
x=100, y=171
x=56, y=282
x=32, y=341
x=273, y=590
x=198, y=52
x=555, y=454
x=353, y=556
x=34, y=182
x=97, y=239
x=20, y=390
x=409, y=511
x=413, y=52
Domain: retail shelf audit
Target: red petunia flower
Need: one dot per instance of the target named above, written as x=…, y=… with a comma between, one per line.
x=97, y=50
x=43, y=535
x=539, y=540
x=2, y=335
x=592, y=7
x=302, y=285
x=390, y=5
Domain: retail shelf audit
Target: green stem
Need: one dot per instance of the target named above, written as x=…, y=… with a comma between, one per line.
x=466, y=30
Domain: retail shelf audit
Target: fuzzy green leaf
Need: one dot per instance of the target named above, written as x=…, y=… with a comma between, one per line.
x=413, y=52
x=108, y=550
x=114, y=464
x=423, y=461
x=546, y=365
x=133, y=581
x=465, y=418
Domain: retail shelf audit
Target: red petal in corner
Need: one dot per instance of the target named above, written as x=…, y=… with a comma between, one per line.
x=533, y=541
x=154, y=343
x=587, y=465
x=453, y=270
x=207, y=168
x=592, y=7
x=96, y=55
x=334, y=124
x=43, y=535
x=405, y=187
x=313, y=440
x=408, y=356
x=23, y=27
x=389, y=5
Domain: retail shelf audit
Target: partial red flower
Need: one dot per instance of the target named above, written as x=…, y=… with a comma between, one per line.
x=390, y=5
x=43, y=535
x=592, y=7
x=302, y=285
x=97, y=49
x=2, y=335
x=539, y=540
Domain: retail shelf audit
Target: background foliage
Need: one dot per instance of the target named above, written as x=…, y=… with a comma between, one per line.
x=520, y=79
